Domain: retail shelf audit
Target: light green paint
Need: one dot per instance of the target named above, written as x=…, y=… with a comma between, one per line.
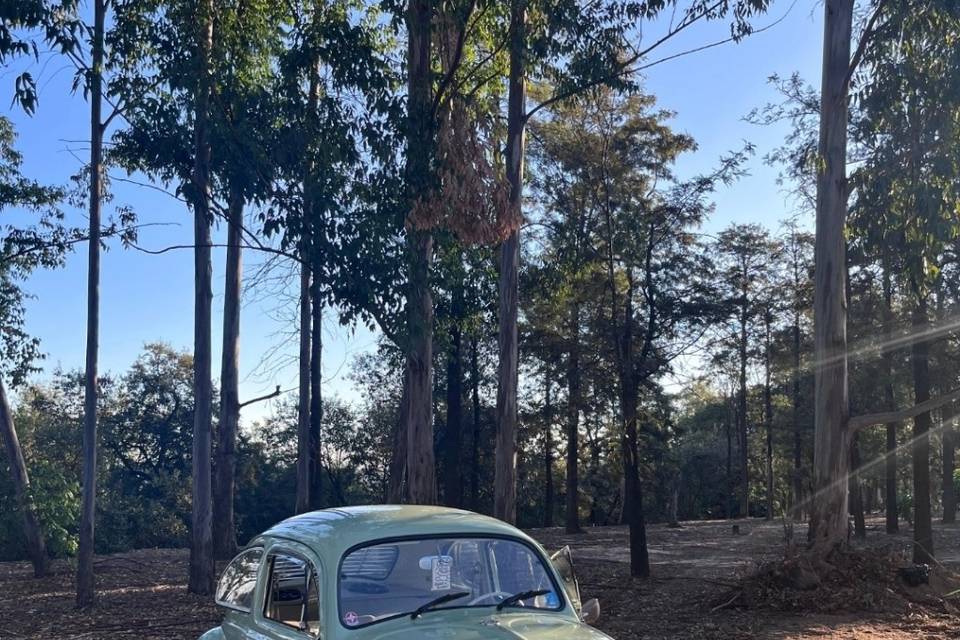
x=324, y=536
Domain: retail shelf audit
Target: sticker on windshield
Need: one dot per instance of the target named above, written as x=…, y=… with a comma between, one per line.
x=351, y=619
x=440, y=573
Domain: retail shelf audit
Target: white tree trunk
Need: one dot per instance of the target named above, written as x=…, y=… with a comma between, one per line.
x=828, y=523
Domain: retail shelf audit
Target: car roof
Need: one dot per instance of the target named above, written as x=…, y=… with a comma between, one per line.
x=331, y=532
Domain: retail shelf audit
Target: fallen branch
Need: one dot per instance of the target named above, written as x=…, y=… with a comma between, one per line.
x=857, y=423
x=719, y=583
x=726, y=604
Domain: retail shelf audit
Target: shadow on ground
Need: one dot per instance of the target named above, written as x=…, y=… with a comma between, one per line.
x=143, y=593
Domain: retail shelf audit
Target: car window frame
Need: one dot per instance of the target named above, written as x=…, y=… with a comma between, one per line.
x=256, y=580
x=274, y=627
x=539, y=553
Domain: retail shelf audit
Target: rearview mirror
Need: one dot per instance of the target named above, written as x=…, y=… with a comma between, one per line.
x=591, y=611
x=427, y=562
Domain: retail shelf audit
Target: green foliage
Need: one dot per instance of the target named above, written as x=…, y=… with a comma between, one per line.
x=42, y=242
x=906, y=188
x=56, y=498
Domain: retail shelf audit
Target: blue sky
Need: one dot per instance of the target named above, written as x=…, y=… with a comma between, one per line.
x=149, y=298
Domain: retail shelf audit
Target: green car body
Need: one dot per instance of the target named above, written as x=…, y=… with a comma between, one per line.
x=323, y=539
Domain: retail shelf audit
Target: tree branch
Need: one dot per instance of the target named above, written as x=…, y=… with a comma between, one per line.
x=176, y=247
x=858, y=423
x=868, y=31
x=627, y=68
x=276, y=393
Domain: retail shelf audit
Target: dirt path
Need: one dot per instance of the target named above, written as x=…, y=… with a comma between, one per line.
x=693, y=565
x=142, y=593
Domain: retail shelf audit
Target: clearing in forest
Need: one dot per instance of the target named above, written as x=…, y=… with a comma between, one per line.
x=143, y=593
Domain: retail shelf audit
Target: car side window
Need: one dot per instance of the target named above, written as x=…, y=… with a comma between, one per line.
x=239, y=581
x=292, y=596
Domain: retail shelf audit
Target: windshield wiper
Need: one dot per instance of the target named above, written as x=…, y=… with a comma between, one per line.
x=523, y=595
x=419, y=611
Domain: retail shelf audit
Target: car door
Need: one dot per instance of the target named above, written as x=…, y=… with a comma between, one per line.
x=239, y=593
x=563, y=562
x=290, y=594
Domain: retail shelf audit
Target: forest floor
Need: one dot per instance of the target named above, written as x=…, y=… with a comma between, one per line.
x=142, y=593
x=694, y=567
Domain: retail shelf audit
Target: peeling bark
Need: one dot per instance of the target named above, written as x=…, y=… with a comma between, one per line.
x=828, y=521
x=420, y=486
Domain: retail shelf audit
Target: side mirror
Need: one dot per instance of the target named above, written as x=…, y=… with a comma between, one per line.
x=591, y=611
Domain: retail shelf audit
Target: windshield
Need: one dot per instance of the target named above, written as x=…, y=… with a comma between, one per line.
x=389, y=579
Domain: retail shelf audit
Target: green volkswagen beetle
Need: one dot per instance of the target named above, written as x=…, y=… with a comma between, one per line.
x=396, y=573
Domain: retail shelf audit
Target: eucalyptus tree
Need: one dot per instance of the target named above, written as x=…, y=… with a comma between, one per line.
x=913, y=37
x=181, y=103
x=249, y=41
x=447, y=183
x=63, y=29
x=906, y=189
x=94, y=89
x=331, y=202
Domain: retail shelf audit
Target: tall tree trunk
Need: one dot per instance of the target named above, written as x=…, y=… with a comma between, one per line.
x=475, y=440
x=547, y=454
x=505, y=483
x=224, y=527
x=828, y=521
x=730, y=501
x=623, y=337
x=453, y=473
x=768, y=416
x=890, y=461
x=632, y=493
x=316, y=391
x=307, y=452
x=797, y=429
x=856, y=490
x=398, y=459
x=742, y=435
x=88, y=509
x=201, y=544
x=32, y=532
x=421, y=482
x=573, y=422
x=673, y=514
x=949, y=468
x=920, y=358
x=303, y=402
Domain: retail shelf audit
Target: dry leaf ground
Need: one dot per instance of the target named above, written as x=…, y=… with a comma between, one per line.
x=142, y=593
